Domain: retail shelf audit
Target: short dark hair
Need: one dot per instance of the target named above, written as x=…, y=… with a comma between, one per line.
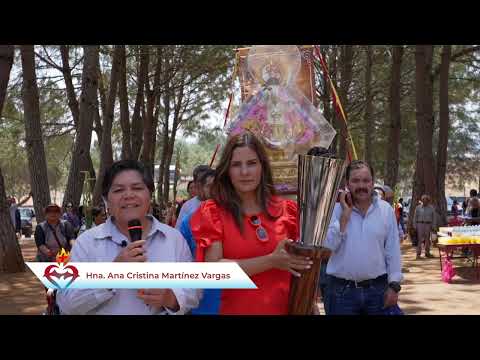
x=473, y=193
x=97, y=210
x=190, y=183
x=358, y=164
x=124, y=165
x=202, y=178
x=199, y=170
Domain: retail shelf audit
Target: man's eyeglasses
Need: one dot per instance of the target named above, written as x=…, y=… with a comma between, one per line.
x=260, y=230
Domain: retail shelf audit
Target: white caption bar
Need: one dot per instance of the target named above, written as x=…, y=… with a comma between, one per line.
x=148, y=275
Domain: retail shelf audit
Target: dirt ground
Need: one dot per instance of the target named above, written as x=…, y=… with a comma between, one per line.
x=22, y=293
x=423, y=291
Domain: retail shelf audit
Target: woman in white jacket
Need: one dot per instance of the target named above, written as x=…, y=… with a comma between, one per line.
x=127, y=189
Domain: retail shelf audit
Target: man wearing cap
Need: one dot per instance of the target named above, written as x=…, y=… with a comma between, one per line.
x=194, y=203
x=52, y=234
x=388, y=194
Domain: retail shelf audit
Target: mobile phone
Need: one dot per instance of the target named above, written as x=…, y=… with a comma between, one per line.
x=348, y=198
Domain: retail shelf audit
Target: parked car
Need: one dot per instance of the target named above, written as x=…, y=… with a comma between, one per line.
x=27, y=216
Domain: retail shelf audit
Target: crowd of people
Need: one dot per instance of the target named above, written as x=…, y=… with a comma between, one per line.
x=233, y=214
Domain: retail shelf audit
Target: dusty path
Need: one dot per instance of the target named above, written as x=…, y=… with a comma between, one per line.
x=22, y=294
x=424, y=293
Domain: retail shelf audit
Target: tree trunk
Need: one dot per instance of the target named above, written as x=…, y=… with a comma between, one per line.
x=97, y=122
x=424, y=181
x=149, y=125
x=177, y=175
x=425, y=118
x=11, y=259
x=156, y=116
x=166, y=174
x=91, y=170
x=162, y=190
x=72, y=99
x=101, y=90
x=444, y=130
x=335, y=121
x=37, y=163
x=106, y=154
x=123, y=100
x=418, y=186
x=88, y=110
x=346, y=80
x=137, y=122
x=368, y=106
x=67, y=76
x=391, y=173
x=6, y=62
x=177, y=118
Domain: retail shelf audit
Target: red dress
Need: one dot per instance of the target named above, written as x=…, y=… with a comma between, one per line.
x=213, y=223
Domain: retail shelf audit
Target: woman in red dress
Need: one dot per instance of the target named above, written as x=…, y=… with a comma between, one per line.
x=247, y=223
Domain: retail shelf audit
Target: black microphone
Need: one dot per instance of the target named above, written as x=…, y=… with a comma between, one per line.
x=135, y=230
x=123, y=244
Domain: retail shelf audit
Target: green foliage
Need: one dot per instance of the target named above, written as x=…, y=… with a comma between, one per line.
x=200, y=152
x=58, y=140
x=199, y=76
x=464, y=83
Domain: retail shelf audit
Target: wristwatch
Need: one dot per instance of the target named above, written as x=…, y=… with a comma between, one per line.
x=395, y=286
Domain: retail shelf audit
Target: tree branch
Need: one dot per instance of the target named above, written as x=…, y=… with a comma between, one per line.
x=55, y=66
x=457, y=55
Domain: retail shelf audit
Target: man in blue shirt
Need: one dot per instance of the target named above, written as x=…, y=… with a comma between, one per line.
x=364, y=270
x=190, y=206
x=210, y=302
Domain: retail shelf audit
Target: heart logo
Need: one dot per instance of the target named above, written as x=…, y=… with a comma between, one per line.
x=61, y=277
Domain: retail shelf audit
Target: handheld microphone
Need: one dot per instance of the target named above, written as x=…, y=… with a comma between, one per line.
x=123, y=244
x=135, y=230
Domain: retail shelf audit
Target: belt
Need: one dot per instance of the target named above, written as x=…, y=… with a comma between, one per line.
x=361, y=284
x=424, y=222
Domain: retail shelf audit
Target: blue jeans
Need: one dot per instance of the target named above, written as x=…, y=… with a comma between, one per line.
x=402, y=223
x=349, y=300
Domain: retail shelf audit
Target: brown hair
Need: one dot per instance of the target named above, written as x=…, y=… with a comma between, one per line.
x=358, y=164
x=222, y=189
x=427, y=198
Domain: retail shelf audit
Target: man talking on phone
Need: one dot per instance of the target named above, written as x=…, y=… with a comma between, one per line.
x=364, y=270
